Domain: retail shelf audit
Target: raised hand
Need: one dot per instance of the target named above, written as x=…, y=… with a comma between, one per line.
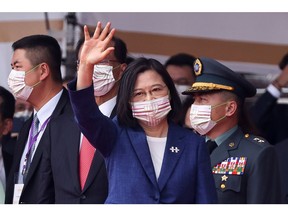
x=94, y=50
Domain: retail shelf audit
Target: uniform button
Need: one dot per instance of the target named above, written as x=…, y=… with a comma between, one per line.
x=222, y=186
x=83, y=197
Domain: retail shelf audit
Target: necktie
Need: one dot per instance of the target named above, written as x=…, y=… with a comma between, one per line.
x=85, y=159
x=31, y=144
x=211, y=145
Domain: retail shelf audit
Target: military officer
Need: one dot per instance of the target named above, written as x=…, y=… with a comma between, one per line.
x=244, y=166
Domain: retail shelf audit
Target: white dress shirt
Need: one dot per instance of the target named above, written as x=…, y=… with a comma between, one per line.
x=43, y=114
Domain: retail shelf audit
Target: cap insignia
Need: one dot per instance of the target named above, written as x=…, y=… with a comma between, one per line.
x=198, y=67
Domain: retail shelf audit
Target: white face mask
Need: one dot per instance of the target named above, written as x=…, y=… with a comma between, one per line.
x=151, y=112
x=25, y=114
x=200, y=118
x=180, y=89
x=103, y=79
x=16, y=82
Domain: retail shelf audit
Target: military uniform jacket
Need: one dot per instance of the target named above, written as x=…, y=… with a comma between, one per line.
x=255, y=177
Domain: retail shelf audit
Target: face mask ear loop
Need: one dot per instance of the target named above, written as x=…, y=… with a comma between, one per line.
x=113, y=72
x=218, y=106
x=220, y=119
x=212, y=107
x=36, y=84
x=32, y=69
x=116, y=66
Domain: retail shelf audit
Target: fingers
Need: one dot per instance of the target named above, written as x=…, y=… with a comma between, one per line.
x=97, y=30
x=107, y=51
x=110, y=36
x=86, y=33
x=105, y=31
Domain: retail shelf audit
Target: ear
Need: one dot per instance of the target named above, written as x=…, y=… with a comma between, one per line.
x=45, y=71
x=231, y=108
x=122, y=69
x=8, y=125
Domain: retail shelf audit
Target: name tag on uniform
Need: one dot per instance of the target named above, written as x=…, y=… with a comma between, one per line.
x=17, y=193
x=231, y=166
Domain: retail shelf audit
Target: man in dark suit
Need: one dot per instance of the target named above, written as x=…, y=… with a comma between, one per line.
x=244, y=166
x=269, y=115
x=107, y=78
x=64, y=130
x=7, y=143
x=36, y=78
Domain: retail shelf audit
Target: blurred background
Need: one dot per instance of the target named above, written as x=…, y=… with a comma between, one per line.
x=251, y=43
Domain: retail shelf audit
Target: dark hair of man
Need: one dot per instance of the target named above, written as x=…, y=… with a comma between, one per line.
x=283, y=62
x=120, y=50
x=7, y=104
x=181, y=59
x=40, y=49
x=127, y=85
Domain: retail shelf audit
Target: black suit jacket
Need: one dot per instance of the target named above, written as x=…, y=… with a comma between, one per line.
x=39, y=187
x=65, y=139
x=270, y=118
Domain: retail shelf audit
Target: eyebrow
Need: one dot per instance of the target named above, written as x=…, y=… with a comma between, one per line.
x=155, y=85
x=15, y=62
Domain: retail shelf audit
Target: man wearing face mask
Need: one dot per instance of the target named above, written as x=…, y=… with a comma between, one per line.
x=92, y=188
x=107, y=75
x=36, y=78
x=244, y=166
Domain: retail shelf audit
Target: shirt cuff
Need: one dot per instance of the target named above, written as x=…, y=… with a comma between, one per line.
x=273, y=91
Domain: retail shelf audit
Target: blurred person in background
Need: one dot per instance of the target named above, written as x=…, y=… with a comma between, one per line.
x=269, y=116
x=180, y=68
x=7, y=143
x=23, y=111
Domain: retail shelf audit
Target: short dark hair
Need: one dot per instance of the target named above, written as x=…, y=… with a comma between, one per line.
x=42, y=48
x=181, y=59
x=120, y=50
x=284, y=61
x=127, y=84
x=7, y=104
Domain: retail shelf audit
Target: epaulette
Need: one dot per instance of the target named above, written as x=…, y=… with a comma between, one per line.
x=255, y=139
